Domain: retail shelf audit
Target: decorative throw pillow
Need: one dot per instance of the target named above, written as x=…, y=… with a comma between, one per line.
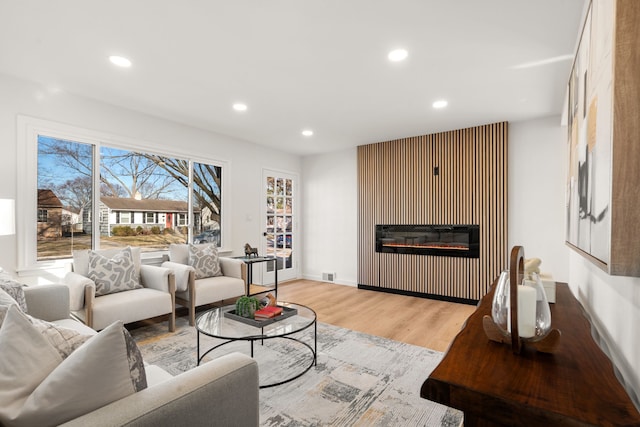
x=4, y=275
x=96, y=374
x=6, y=301
x=205, y=260
x=16, y=290
x=136, y=364
x=27, y=359
x=64, y=340
x=113, y=275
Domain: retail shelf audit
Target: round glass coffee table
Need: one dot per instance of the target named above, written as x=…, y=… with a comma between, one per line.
x=220, y=323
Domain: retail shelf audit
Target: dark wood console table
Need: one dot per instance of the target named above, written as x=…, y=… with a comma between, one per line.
x=575, y=386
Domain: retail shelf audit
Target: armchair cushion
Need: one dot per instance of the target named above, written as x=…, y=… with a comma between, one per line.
x=106, y=368
x=115, y=274
x=205, y=261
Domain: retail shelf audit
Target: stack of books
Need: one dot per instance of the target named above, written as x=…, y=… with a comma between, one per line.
x=268, y=312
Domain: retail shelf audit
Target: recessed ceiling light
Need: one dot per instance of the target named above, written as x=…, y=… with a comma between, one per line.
x=120, y=61
x=441, y=103
x=307, y=132
x=398, y=55
x=240, y=106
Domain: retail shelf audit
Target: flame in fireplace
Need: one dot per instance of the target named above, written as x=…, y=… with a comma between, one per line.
x=427, y=246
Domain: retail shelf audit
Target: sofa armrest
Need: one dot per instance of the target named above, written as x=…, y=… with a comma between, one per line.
x=231, y=267
x=221, y=392
x=48, y=302
x=182, y=273
x=77, y=284
x=155, y=277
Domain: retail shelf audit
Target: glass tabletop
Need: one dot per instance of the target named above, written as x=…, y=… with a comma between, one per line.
x=214, y=323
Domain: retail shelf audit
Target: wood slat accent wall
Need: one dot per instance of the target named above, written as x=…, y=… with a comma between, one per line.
x=397, y=185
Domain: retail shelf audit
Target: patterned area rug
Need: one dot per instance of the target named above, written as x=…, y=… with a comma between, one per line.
x=359, y=379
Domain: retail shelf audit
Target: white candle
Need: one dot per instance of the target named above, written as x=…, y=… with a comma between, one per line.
x=527, y=311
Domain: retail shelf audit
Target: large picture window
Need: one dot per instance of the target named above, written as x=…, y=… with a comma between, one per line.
x=141, y=198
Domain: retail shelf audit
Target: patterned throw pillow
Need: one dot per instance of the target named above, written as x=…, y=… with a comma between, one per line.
x=40, y=389
x=6, y=301
x=64, y=340
x=136, y=364
x=16, y=290
x=113, y=275
x=205, y=260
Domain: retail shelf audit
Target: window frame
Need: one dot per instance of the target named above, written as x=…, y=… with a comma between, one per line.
x=28, y=129
x=181, y=219
x=150, y=220
x=127, y=215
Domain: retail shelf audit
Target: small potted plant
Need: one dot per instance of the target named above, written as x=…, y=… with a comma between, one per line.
x=246, y=306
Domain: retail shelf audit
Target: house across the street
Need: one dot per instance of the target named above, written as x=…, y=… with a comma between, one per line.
x=146, y=213
x=114, y=211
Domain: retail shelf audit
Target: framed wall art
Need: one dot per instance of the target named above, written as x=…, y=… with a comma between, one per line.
x=603, y=112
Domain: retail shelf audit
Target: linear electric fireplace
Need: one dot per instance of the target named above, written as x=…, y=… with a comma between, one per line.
x=440, y=240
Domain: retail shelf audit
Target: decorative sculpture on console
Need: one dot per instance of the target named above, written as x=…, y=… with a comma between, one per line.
x=249, y=251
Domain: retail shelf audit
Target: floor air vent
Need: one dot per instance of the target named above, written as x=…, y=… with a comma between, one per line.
x=328, y=277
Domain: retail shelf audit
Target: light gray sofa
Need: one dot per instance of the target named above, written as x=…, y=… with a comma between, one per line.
x=222, y=392
x=192, y=292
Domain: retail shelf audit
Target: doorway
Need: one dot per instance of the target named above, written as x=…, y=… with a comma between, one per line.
x=280, y=231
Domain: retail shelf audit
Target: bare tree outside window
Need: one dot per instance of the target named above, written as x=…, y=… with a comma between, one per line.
x=64, y=197
x=143, y=198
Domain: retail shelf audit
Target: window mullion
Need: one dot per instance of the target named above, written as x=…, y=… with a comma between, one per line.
x=95, y=202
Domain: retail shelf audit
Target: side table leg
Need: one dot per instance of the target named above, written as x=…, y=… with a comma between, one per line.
x=198, y=348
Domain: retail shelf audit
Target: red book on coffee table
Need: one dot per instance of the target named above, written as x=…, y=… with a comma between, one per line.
x=268, y=312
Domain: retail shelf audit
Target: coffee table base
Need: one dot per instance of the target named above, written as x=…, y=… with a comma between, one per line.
x=251, y=339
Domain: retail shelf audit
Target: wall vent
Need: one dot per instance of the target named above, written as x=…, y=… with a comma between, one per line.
x=328, y=277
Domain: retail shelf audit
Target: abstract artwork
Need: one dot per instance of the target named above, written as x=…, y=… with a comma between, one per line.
x=590, y=137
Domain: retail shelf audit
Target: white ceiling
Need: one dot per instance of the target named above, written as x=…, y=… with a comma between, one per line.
x=300, y=63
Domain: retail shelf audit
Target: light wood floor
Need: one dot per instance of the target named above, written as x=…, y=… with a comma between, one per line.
x=418, y=321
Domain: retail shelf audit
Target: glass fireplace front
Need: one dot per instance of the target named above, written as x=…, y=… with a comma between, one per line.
x=455, y=240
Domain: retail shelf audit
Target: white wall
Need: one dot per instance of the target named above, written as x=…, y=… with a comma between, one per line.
x=330, y=218
x=537, y=173
x=246, y=161
x=613, y=304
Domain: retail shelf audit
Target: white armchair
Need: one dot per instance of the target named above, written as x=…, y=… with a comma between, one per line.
x=192, y=292
x=155, y=296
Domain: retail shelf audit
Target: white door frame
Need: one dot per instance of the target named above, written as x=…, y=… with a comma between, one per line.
x=284, y=273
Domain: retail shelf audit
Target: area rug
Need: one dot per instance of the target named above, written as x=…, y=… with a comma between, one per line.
x=359, y=379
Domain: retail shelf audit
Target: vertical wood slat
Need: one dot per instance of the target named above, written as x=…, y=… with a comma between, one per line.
x=396, y=185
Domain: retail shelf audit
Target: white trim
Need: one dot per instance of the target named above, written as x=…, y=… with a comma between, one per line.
x=296, y=241
x=28, y=129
